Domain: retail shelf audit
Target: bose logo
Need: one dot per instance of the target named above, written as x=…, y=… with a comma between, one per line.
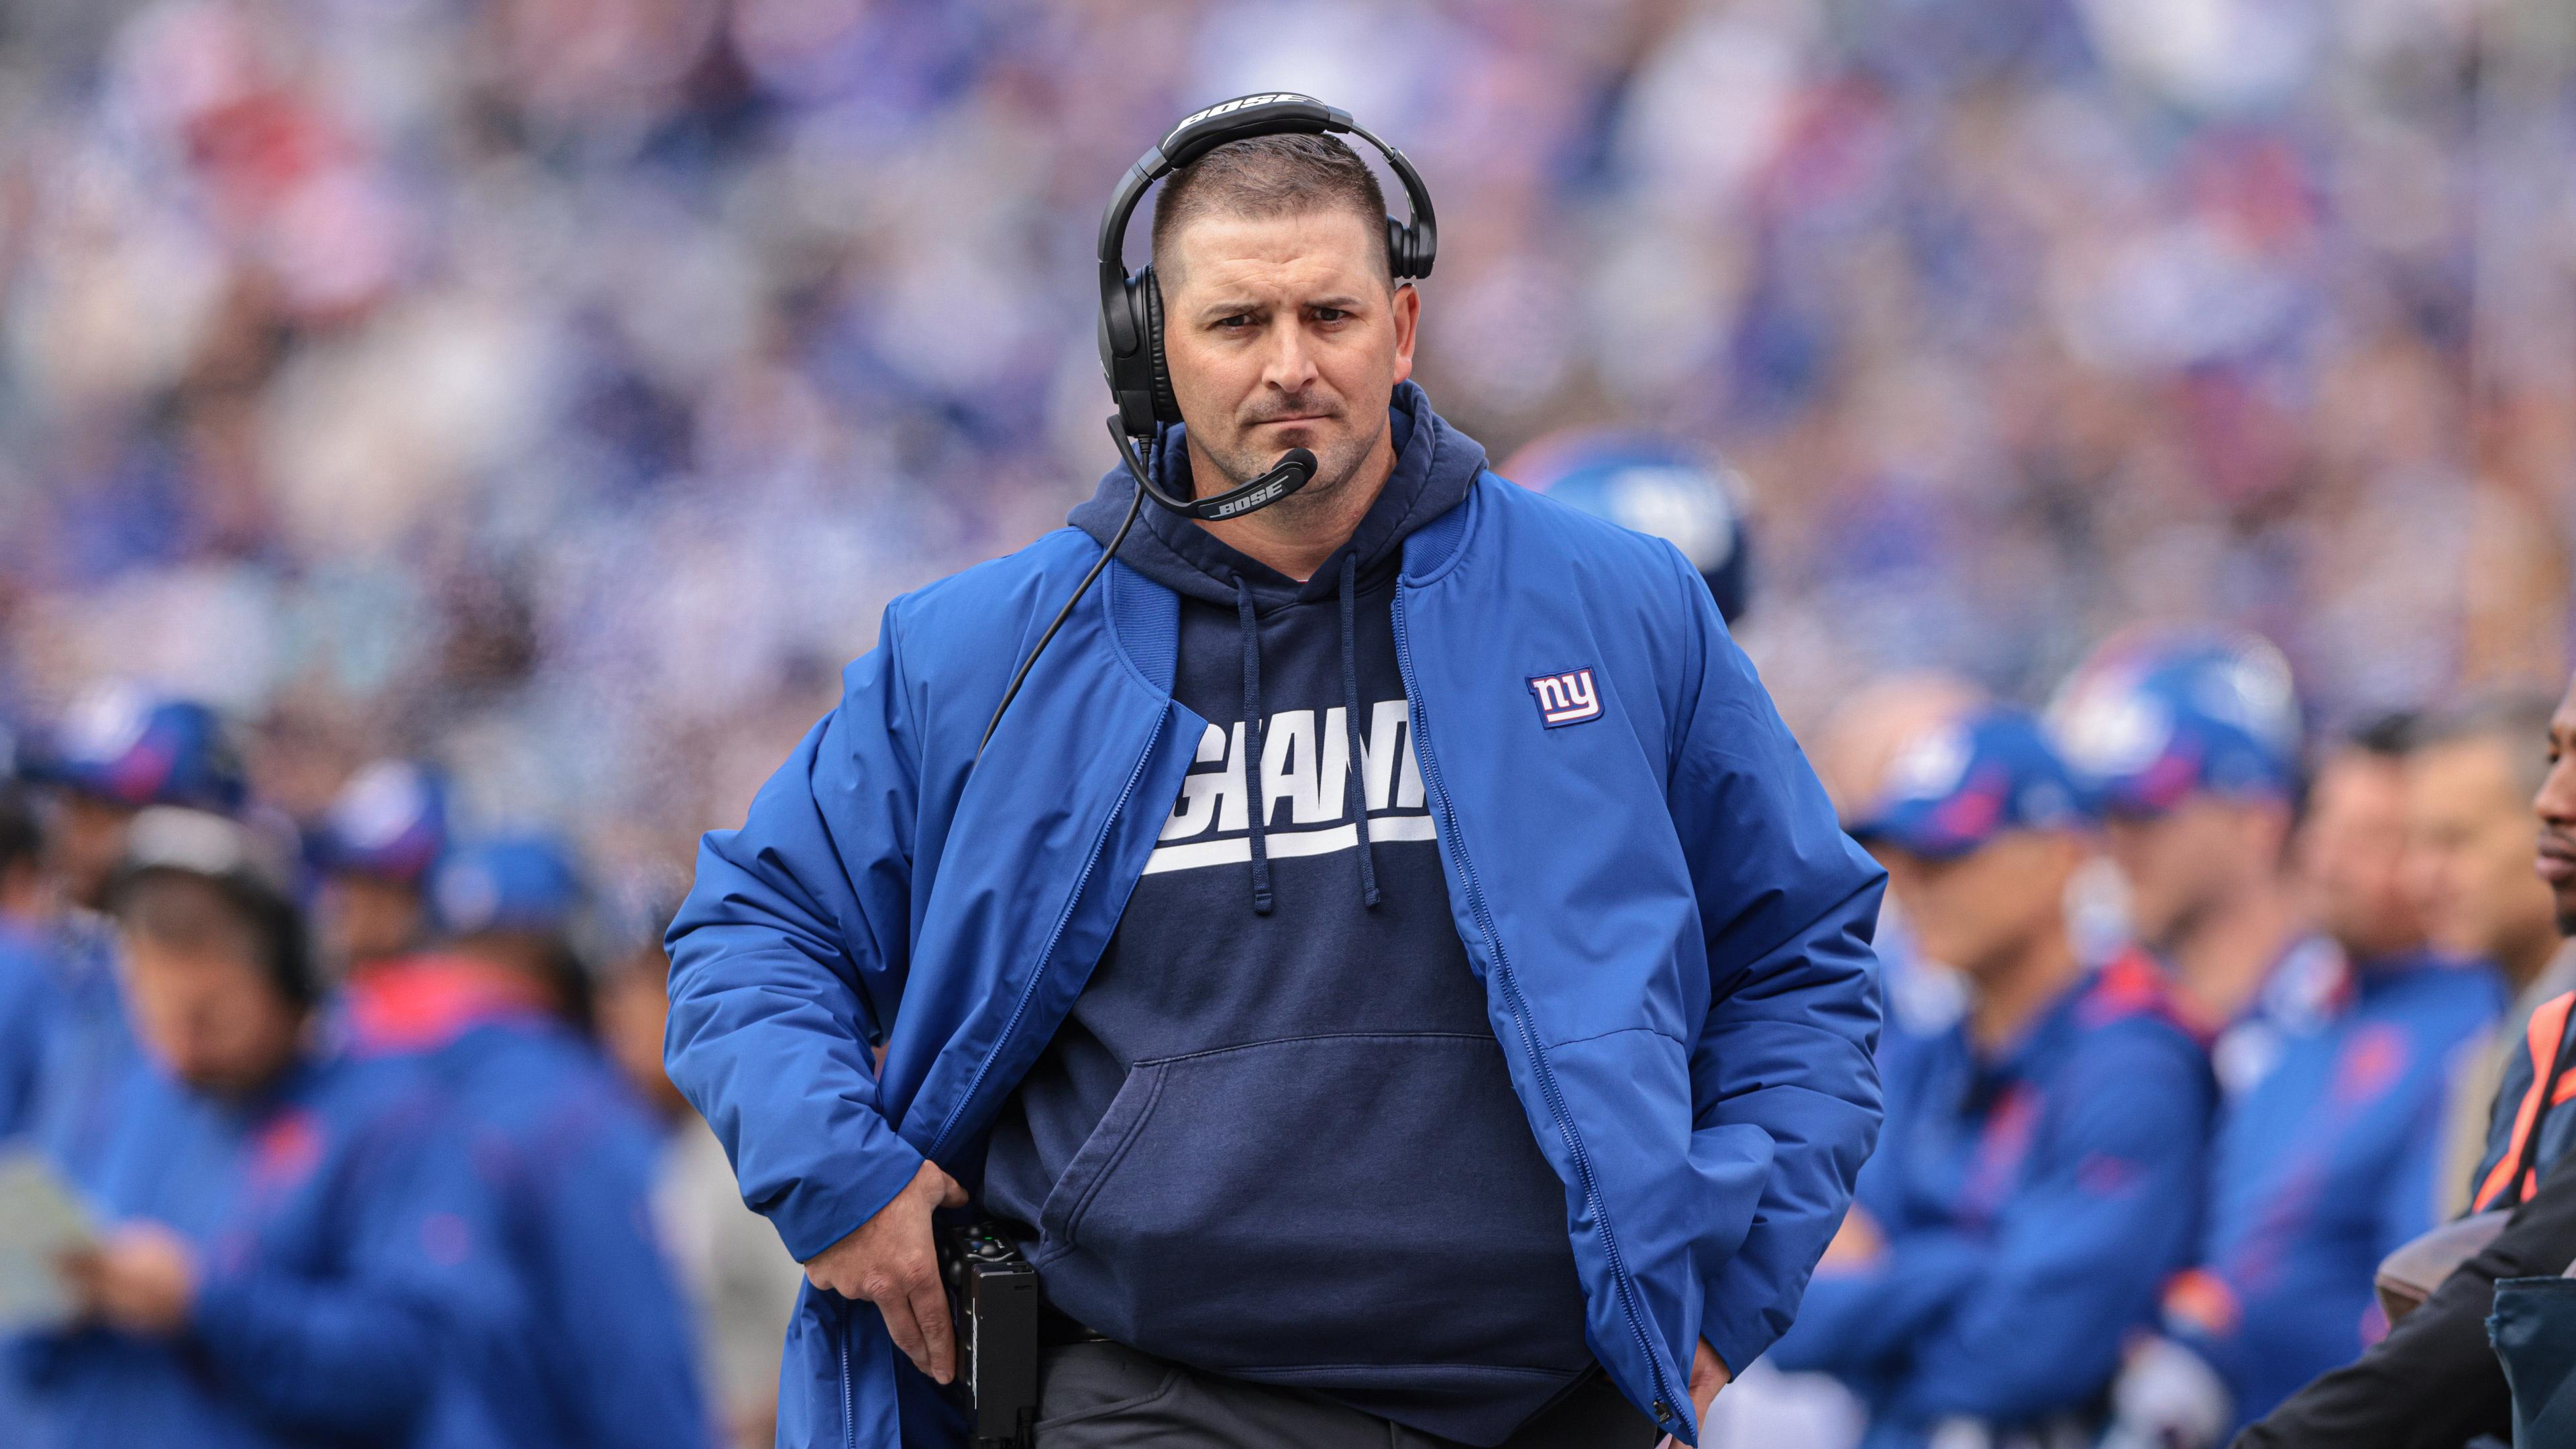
x=1238, y=103
x=1246, y=505
x=1565, y=699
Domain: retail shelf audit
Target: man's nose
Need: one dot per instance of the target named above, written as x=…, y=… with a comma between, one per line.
x=2556, y=802
x=1291, y=366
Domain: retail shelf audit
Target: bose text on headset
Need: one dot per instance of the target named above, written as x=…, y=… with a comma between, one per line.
x=1131, y=318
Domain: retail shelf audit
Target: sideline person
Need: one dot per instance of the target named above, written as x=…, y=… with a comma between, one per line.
x=1388, y=953
x=2434, y=1381
x=284, y=1259
x=2039, y=1174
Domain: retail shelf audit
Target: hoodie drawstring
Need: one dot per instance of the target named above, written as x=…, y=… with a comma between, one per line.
x=1254, y=722
x=1354, y=788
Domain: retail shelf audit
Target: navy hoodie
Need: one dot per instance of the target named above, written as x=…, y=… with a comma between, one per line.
x=1276, y=1138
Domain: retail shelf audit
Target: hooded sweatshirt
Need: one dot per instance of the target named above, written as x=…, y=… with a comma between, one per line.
x=1276, y=1138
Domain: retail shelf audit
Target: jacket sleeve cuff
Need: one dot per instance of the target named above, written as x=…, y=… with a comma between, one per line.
x=815, y=1215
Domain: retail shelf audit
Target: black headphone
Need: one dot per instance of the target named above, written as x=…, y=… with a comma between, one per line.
x=1131, y=307
x=1131, y=318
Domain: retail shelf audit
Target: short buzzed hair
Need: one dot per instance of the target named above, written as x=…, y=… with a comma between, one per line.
x=1268, y=176
x=2517, y=719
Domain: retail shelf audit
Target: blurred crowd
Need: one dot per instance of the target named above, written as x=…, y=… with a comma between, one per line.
x=559, y=389
x=500, y=419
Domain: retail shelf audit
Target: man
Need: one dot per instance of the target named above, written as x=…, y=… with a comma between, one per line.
x=383, y=835
x=2470, y=782
x=2327, y=1161
x=1391, y=949
x=2434, y=1382
x=279, y=1264
x=2039, y=1173
x=121, y=750
x=602, y=1355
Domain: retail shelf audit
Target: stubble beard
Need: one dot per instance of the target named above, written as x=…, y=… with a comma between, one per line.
x=1335, y=467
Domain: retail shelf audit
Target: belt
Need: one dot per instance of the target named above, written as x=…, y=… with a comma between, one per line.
x=1055, y=1330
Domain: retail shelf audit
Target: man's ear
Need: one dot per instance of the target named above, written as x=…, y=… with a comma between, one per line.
x=1408, y=315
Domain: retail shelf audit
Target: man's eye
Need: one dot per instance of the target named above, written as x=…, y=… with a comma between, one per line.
x=1330, y=314
x=1233, y=324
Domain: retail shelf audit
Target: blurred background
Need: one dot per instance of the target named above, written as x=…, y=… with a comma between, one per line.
x=559, y=388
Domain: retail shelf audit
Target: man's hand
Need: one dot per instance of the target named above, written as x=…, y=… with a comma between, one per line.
x=142, y=1280
x=1709, y=1374
x=892, y=1262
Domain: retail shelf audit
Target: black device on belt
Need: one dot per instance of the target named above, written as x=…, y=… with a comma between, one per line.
x=993, y=1299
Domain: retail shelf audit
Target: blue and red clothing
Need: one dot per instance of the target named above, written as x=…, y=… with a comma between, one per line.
x=586, y=1342
x=2031, y=1203
x=327, y=1243
x=2323, y=1165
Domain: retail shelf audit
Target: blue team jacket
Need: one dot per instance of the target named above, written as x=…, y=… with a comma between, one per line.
x=2320, y=1169
x=576, y=1337
x=1672, y=930
x=2031, y=1208
x=327, y=1245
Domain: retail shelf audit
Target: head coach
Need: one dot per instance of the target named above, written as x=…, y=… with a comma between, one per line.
x=1375, y=946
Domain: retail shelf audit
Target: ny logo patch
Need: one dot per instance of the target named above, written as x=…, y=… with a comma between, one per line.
x=1565, y=699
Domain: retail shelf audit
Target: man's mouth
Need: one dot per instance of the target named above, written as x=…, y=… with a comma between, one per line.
x=2557, y=860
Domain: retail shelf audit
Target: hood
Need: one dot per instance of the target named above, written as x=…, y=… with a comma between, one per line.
x=1435, y=465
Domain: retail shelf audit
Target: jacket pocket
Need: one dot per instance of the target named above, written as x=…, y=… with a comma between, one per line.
x=1326, y=1202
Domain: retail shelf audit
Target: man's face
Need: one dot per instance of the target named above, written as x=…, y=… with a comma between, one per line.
x=2181, y=864
x=365, y=919
x=2470, y=837
x=1980, y=911
x=2352, y=852
x=634, y=1009
x=1284, y=332
x=88, y=843
x=2556, y=806
x=209, y=1014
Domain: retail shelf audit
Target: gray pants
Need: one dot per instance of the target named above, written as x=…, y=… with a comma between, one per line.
x=1107, y=1396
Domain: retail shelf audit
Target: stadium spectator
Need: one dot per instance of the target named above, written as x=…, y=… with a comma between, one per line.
x=740, y=1282
x=2470, y=784
x=593, y=1349
x=281, y=1263
x=2329, y=1141
x=2434, y=1382
x=2039, y=1173
x=375, y=850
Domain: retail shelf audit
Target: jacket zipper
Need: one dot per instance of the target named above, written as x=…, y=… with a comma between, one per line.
x=1520, y=1017
x=1019, y=1009
x=1046, y=956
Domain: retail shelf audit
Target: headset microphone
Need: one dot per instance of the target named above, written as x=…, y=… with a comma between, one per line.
x=1131, y=319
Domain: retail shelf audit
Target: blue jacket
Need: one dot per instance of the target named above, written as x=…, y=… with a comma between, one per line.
x=2320, y=1169
x=327, y=1246
x=85, y=1055
x=577, y=1336
x=1672, y=930
x=2030, y=1207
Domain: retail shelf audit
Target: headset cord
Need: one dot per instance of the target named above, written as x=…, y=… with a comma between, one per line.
x=1133, y=504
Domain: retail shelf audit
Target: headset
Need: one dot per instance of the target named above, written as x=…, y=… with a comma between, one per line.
x=1131, y=317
